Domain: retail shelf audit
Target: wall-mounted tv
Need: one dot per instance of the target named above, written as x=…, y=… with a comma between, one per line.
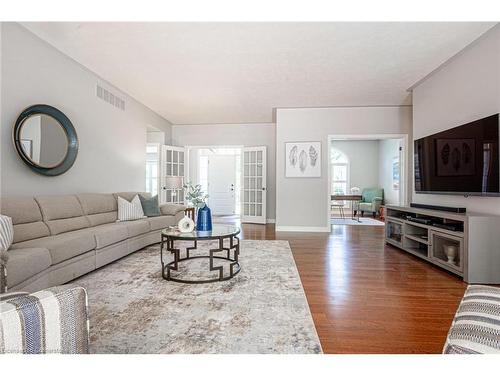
x=463, y=160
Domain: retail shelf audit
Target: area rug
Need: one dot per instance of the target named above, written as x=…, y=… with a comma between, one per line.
x=263, y=309
x=362, y=221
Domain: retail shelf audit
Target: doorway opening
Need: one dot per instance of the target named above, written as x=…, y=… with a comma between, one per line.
x=365, y=174
x=235, y=179
x=218, y=171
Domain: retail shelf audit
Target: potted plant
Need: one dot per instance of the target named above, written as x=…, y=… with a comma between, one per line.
x=196, y=197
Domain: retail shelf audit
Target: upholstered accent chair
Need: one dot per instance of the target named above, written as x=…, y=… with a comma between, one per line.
x=476, y=326
x=53, y=320
x=372, y=199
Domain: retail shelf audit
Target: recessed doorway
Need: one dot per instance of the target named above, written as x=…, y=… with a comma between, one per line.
x=365, y=173
x=234, y=178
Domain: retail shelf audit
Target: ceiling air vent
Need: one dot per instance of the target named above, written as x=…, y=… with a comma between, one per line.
x=110, y=98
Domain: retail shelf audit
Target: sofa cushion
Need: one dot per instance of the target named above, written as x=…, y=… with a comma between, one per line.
x=130, y=210
x=21, y=209
x=67, y=225
x=26, y=218
x=150, y=206
x=56, y=207
x=109, y=234
x=97, y=203
x=25, y=263
x=162, y=222
x=137, y=227
x=62, y=213
x=104, y=218
x=63, y=246
x=129, y=195
x=99, y=208
x=6, y=232
x=172, y=208
x=30, y=231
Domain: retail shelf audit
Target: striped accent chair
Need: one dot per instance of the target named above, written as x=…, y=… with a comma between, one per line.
x=54, y=320
x=476, y=326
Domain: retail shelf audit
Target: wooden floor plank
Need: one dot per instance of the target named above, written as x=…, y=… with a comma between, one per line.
x=368, y=297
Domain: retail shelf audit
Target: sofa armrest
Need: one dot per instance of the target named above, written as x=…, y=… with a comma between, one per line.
x=64, y=329
x=171, y=209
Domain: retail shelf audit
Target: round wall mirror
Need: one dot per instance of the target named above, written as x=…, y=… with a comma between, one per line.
x=45, y=139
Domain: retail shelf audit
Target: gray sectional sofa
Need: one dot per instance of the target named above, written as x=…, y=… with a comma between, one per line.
x=61, y=237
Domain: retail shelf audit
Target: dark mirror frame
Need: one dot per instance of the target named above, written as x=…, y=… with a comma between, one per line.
x=43, y=109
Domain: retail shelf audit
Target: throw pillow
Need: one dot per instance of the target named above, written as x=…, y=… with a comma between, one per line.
x=6, y=232
x=130, y=210
x=150, y=206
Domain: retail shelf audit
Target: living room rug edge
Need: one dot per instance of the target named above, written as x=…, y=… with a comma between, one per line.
x=263, y=309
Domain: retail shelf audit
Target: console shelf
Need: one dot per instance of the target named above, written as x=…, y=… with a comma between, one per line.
x=470, y=250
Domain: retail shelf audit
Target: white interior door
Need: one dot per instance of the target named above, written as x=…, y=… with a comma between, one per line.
x=172, y=164
x=221, y=184
x=253, y=197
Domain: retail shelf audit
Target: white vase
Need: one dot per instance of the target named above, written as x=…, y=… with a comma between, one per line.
x=186, y=225
x=451, y=252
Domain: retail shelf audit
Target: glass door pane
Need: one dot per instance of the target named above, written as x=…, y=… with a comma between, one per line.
x=253, y=189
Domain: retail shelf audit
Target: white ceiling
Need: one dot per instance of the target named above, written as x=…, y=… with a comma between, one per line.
x=195, y=73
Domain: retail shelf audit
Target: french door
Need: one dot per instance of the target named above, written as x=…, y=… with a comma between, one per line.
x=172, y=164
x=253, y=186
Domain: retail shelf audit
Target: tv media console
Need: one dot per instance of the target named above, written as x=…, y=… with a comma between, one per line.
x=467, y=245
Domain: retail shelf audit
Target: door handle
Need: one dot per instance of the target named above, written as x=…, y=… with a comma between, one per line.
x=263, y=188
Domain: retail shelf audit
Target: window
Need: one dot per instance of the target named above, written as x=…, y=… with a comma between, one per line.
x=340, y=172
x=152, y=162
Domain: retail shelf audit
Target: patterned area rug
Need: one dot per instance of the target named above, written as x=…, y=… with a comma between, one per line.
x=362, y=221
x=263, y=309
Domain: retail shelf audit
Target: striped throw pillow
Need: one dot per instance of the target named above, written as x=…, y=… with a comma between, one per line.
x=6, y=232
x=130, y=210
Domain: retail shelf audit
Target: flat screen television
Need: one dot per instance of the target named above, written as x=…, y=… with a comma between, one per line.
x=463, y=160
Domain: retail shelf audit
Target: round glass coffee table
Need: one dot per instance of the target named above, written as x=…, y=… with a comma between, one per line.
x=220, y=233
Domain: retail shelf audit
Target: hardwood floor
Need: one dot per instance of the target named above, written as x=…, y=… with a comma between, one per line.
x=367, y=297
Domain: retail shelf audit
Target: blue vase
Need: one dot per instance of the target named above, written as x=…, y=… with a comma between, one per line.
x=204, y=219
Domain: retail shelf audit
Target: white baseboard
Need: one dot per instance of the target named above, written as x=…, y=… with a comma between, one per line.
x=285, y=228
x=270, y=221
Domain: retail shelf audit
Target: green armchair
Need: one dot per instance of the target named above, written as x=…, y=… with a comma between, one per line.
x=372, y=199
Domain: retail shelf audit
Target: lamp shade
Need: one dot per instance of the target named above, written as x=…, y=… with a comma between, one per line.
x=173, y=182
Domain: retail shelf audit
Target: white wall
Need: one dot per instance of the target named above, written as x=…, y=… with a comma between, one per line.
x=112, y=142
x=466, y=88
x=235, y=135
x=388, y=150
x=302, y=203
x=363, y=162
x=155, y=137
